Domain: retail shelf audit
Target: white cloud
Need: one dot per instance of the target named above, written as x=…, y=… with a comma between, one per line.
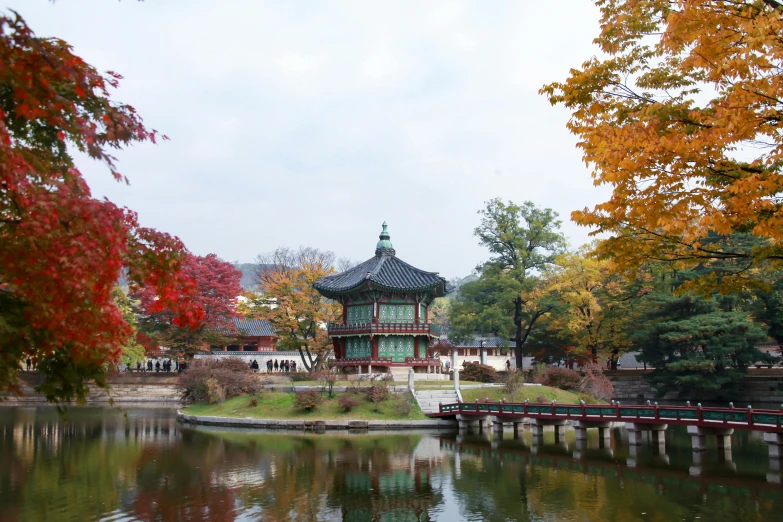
x=311, y=123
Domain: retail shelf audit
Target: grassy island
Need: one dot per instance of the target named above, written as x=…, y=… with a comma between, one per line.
x=280, y=406
x=276, y=405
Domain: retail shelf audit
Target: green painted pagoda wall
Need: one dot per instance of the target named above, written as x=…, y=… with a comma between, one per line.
x=358, y=348
x=396, y=313
x=359, y=314
x=396, y=347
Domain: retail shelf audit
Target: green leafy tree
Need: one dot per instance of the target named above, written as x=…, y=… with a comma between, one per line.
x=696, y=344
x=508, y=298
x=132, y=351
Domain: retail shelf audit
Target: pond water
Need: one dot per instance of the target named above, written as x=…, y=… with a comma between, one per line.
x=96, y=464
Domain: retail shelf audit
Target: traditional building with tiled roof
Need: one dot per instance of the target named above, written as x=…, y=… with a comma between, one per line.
x=255, y=335
x=384, y=323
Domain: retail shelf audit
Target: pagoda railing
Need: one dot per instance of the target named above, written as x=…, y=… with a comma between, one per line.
x=386, y=361
x=381, y=328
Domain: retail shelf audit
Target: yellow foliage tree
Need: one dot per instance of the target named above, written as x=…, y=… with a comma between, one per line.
x=682, y=115
x=597, y=305
x=294, y=309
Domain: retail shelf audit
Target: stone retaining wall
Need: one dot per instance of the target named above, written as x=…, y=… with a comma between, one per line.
x=149, y=387
x=758, y=387
x=316, y=425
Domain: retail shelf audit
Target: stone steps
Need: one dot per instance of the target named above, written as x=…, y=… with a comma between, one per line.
x=430, y=401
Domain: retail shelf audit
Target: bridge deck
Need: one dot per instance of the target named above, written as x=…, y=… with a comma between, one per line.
x=770, y=421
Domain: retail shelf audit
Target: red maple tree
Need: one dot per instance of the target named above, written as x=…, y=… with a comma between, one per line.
x=217, y=291
x=61, y=250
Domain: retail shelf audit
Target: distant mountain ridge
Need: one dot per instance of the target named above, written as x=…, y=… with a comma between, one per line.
x=249, y=279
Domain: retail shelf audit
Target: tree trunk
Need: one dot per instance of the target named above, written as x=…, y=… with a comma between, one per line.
x=307, y=366
x=518, y=342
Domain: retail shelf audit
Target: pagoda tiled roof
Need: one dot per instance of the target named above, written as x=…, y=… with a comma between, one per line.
x=386, y=271
x=253, y=327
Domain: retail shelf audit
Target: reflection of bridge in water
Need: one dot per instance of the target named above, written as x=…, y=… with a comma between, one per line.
x=637, y=419
x=598, y=461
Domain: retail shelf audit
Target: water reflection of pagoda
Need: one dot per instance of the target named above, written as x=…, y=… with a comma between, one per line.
x=387, y=486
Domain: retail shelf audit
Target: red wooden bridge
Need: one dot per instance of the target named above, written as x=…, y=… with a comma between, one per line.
x=768, y=421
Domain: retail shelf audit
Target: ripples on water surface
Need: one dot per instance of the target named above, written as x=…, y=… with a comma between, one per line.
x=97, y=465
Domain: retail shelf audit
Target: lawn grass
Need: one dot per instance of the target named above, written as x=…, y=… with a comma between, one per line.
x=280, y=406
x=530, y=393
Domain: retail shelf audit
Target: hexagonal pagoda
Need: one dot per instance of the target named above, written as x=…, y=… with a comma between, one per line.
x=384, y=324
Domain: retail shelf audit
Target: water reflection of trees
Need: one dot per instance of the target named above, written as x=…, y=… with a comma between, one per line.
x=149, y=468
x=516, y=484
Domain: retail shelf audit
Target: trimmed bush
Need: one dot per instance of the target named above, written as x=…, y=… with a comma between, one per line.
x=562, y=378
x=595, y=382
x=402, y=404
x=233, y=376
x=215, y=391
x=478, y=373
x=538, y=372
x=348, y=401
x=513, y=381
x=307, y=400
x=299, y=376
x=378, y=393
x=541, y=399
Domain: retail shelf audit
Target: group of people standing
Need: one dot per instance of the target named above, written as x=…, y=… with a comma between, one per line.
x=165, y=366
x=278, y=366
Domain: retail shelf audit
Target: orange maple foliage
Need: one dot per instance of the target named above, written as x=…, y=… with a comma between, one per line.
x=682, y=116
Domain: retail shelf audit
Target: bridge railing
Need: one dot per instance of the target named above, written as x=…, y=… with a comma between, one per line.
x=650, y=413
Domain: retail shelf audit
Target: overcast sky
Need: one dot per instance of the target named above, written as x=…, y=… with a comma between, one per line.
x=313, y=122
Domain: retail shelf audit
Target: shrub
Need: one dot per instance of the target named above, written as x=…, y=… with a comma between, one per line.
x=300, y=376
x=253, y=401
x=595, y=382
x=512, y=382
x=233, y=376
x=215, y=391
x=348, y=401
x=402, y=404
x=541, y=399
x=307, y=400
x=539, y=370
x=232, y=364
x=478, y=373
x=562, y=378
x=327, y=378
x=377, y=393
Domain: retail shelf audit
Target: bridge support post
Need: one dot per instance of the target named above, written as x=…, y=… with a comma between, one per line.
x=774, y=442
x=699, y=438
x=517, y=425
x=582, y=427
x=539, y=424
x=635, y=430
x=467, y=422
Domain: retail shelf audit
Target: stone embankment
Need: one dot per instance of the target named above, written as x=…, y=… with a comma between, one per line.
x=142, y=387
x=317, y=425
x=758, y=387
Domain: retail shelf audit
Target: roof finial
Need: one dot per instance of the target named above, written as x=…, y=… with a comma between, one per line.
x=384, y=246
